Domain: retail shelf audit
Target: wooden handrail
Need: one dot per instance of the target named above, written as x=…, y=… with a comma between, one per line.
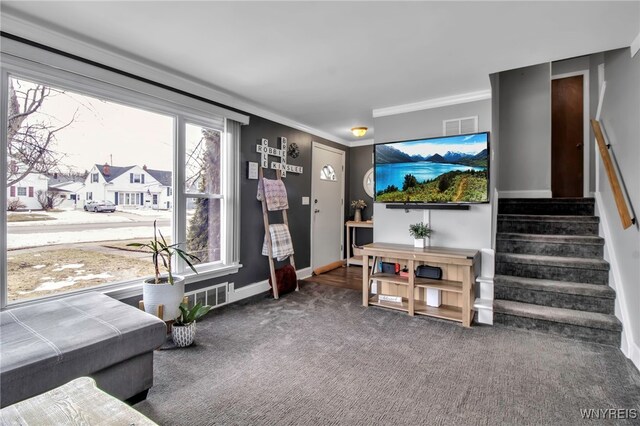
x=621, y=204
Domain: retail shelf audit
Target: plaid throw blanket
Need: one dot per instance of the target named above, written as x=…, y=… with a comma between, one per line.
x=281, y=244
x=276, y=194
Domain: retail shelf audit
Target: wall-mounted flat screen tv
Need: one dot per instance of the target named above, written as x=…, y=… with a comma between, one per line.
x=449, y=169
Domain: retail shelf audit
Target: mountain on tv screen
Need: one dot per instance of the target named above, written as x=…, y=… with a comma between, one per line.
x=451, y=169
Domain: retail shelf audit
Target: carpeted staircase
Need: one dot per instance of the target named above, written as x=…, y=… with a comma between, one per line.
x=550, y=272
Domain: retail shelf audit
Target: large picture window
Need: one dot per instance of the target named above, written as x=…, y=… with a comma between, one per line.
x=100, y=165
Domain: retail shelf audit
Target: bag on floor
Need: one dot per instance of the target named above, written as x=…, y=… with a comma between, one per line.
x=286, y=279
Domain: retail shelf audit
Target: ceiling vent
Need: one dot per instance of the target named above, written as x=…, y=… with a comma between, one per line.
x=460, y=126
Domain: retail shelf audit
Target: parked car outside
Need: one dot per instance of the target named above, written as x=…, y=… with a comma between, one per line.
x=100, y=206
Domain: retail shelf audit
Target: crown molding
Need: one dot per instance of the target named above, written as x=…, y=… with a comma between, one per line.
x=362, y=142
x=433, y=103
x=63, y=41
x=635, y=45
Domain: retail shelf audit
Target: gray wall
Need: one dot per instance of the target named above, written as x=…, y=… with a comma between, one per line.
x=594, y=92
x=255, y=266
x=621, y=122
x=461, y=229
x=525, y=130
x=360, y=161
x=494, y=172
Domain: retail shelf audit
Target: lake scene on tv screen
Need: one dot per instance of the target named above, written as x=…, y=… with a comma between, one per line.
x=451, y=169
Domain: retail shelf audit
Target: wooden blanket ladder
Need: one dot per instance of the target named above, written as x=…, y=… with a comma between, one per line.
x=267, y=234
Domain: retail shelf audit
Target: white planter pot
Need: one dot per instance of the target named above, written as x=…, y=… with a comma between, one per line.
x=183, y=335
x=418, y=242
x=163, y=294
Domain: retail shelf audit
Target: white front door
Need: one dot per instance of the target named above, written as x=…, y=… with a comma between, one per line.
x=327, y=205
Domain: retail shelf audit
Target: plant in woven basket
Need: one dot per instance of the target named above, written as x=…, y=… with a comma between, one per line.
x=190, y=315
x=183, y=330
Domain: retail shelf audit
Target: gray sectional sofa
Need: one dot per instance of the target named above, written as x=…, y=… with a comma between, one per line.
x=46, y=345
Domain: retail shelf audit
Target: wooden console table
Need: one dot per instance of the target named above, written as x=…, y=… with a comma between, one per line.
x=351, y=240
x=459, y=270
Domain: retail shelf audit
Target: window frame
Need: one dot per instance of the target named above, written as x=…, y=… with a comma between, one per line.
x=104, y=84
x=226, y=188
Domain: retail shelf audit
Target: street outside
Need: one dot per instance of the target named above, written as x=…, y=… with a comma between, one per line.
x=54, y=252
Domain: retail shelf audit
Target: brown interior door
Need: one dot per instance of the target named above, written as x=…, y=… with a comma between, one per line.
x=567, y=127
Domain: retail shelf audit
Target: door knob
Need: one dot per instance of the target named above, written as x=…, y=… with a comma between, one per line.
x=579, y=145
x=316, y=211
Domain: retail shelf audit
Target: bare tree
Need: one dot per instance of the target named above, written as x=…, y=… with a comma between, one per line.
x=30, y=135
x=203, y=237
x=48, y=200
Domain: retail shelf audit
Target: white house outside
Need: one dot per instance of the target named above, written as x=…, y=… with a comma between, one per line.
x=69, y=191
x=128, y=187
x=26, y=190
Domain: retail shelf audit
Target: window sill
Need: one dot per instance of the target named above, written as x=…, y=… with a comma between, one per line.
x=129, y=290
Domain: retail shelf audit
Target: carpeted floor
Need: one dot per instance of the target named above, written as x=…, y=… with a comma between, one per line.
x=319, y=357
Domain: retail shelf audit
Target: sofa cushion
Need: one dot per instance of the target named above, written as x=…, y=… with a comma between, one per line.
x=47, y=344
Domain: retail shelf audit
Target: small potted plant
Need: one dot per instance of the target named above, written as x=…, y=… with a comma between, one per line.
x=419, y=231
x=166, y=290
x=183, y=330
x=358, y=205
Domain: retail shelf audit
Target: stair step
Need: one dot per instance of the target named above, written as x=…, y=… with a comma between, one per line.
x=567, y=262
x=547, y=206
x=589, y=326
x=550, y=245
x=573, y=269
x=558, y=294
x=548, y=224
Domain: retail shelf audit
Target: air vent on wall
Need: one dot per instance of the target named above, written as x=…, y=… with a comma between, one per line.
x=460, y=126
x=216, y=295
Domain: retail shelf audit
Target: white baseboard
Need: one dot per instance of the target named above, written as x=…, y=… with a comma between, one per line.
x=628, y=346
x=260, y=287
x=534, y=193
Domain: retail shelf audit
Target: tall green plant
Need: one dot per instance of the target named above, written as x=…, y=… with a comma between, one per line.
x=161, y=250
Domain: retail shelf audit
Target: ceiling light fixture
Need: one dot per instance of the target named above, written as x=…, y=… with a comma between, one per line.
x=359, y=132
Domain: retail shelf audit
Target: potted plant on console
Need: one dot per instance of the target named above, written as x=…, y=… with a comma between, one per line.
x=164, y=289
x=357, y=206
x=183, y=330
x=419, y=231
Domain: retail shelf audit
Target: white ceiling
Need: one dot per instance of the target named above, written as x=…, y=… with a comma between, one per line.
x=327, y=65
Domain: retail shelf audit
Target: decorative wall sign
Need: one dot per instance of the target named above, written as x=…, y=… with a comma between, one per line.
x=294, y=151
x=265, y=151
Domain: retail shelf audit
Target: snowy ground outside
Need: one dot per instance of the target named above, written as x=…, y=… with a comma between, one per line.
x=70, y=217
x=15, y=241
